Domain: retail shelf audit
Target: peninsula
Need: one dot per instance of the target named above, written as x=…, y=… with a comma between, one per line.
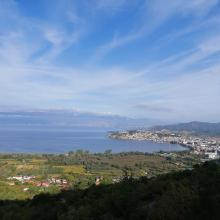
x=207, y=147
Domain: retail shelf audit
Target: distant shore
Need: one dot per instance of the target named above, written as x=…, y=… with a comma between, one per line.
x=118, y=137
x=204, y=146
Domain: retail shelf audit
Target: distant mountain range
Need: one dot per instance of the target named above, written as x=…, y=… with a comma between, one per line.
x=71, y=119
x=196, y=127
x=88, y=120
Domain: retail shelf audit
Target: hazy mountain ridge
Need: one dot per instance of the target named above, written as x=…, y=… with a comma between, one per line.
x=71, y=119
x=196, y=127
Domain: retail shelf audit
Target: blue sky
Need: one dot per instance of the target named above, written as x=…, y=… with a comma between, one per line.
x=138, y=58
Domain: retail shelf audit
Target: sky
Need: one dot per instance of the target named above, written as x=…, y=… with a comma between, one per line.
x=137, y=58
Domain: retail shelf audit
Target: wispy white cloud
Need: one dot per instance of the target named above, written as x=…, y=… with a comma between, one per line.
x=154, y=14
x=23, y=38
x=163, y=88
x=202, y=49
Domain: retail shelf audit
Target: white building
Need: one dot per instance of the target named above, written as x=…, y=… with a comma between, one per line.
x=212, y=155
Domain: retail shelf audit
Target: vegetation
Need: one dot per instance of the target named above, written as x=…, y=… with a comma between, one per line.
x=190, y=194
x=81, y=168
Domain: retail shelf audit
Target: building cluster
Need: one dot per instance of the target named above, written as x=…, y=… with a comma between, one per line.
x=63, y=183
x=22, y=179
x=53, y=181
x=205, y=146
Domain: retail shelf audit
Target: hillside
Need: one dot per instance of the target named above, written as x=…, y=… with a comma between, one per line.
x=194, y=127
x=187, y=195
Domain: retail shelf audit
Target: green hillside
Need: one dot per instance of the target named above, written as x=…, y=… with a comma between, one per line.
x=190, y=194
x=205, y=128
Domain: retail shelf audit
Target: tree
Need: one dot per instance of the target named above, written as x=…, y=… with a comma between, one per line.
x=108, y=152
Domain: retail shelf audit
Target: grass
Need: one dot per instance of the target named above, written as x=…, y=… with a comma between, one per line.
x=81, y=169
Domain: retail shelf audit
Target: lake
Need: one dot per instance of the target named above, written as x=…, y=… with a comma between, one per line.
x=62, y=140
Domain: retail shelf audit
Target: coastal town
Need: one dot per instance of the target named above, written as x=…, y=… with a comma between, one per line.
x=207, y=147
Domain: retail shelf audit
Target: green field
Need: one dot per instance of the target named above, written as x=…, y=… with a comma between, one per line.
x=80, y=169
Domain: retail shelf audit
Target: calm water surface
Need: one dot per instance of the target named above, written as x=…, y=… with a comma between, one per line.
x=65, y=140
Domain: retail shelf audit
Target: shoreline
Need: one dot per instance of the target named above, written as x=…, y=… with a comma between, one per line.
x=153, y=141
x=185, y=149
x=94, y=143
x=203, y=146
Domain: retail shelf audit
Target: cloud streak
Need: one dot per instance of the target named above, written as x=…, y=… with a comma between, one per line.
x=157, y=13
x=62, y=61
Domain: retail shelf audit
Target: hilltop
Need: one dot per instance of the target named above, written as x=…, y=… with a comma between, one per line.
x=204, y=128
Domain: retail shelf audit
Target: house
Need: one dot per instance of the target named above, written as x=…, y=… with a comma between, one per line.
x=11, y=183
x=211, y=155
x=43, y=184
x=98, y=181
x=21, y=178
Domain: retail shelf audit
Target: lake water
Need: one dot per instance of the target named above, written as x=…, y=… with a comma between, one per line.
x=65, y=140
